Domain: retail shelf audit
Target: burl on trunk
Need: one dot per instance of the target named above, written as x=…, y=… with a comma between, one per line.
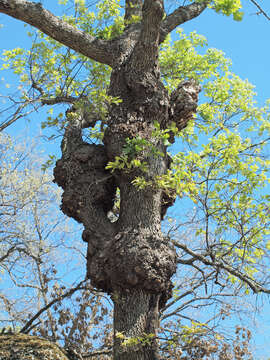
x=130, y=259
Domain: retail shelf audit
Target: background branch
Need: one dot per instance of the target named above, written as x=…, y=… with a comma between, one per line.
x=261, y=11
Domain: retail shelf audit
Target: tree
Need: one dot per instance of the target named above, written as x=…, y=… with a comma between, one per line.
x=38, y=254
x=30, y=238
x=150, y=98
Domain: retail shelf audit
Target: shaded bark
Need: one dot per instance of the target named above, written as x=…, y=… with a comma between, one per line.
x=136, y=316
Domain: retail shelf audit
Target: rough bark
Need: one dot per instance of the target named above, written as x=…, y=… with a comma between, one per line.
x=25, y=347
x=107, y=52
x=129, y=258
x=136, y=315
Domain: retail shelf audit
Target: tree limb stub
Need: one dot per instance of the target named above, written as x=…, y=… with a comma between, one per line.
x=184, y=101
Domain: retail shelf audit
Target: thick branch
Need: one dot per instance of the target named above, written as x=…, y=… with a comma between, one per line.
x=42, y=19
x=59, y=100
x=146, y=50
x=180, y=16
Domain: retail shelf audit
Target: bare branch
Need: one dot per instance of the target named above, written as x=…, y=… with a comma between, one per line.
x=261, y=11
x=254, y=285
x=187, y=293
x=28, y=325
x=8, y=253
x=34, y=14
x=18, y=114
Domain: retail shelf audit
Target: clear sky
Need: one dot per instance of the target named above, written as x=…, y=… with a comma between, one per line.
x=246, y=43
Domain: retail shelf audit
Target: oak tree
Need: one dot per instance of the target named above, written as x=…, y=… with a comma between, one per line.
x=136, y=91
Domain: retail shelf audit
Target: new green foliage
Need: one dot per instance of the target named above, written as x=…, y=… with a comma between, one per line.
x=219, y=164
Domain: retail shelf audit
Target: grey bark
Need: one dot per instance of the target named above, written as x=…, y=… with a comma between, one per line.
x=135, y=314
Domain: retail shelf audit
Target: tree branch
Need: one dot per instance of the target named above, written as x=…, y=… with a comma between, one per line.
x=180, y=16
x=59, y=100
x=186, y=293
x=261, y=11
x=8, y=253
x=253, y=284
x=25, y=328
x=97, y=353
x=146, y=50
x=34, y=14
x=18, y=114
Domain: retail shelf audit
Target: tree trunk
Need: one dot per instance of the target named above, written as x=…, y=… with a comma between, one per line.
x=136, y=315
x=130, y=258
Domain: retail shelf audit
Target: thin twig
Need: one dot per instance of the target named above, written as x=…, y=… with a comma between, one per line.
x=70, y=292
x=261, y=11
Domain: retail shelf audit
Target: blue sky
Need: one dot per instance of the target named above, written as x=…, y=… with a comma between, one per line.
x=246, y=43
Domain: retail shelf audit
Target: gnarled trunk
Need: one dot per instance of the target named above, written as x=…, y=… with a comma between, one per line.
x=129, y=258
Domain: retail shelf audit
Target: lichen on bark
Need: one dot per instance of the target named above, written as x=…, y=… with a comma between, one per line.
x=27, y=347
